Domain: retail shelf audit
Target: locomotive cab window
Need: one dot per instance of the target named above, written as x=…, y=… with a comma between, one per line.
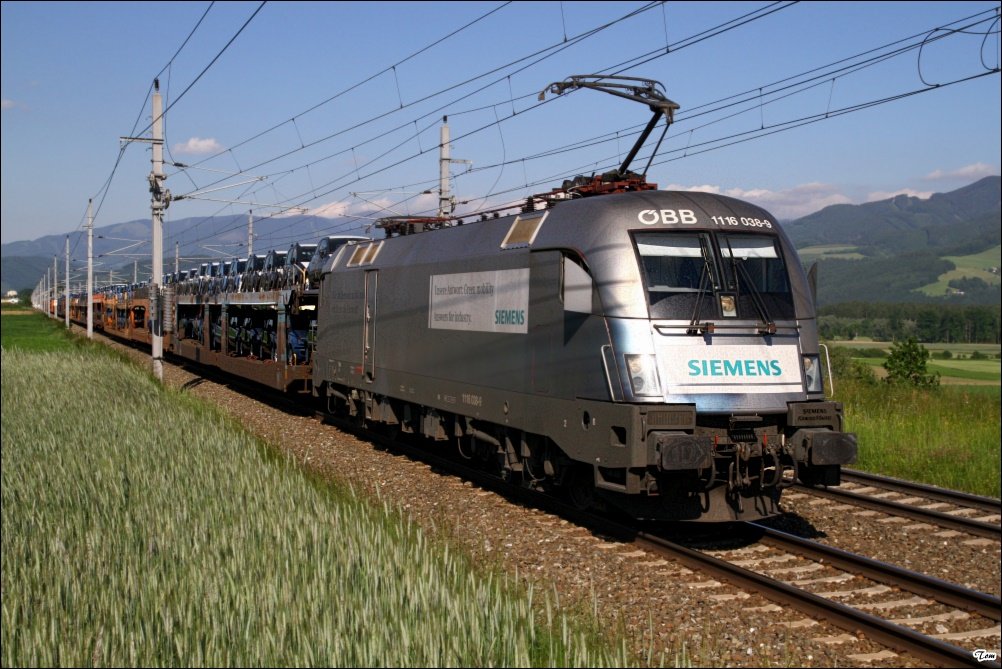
x=713, y=275
x=678, y=271
x=754, y=269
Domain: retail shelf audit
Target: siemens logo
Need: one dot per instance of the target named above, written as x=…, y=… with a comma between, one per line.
x=509, y=317
x=742, y=368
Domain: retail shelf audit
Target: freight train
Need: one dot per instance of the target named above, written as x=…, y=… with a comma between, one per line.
x=651, y=351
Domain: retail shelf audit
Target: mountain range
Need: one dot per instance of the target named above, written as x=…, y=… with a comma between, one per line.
x=195, y=240
x=904, y=249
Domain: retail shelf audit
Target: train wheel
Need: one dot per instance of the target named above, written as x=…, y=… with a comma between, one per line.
x=580, y=487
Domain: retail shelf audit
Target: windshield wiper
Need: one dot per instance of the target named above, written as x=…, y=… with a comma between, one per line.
x=768, y=326
x=704, y=288
x=704, y=278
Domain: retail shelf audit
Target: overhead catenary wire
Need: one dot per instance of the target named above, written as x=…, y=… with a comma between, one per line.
x=434, y=112
x=726, y=26
x=103, y=190
x=732, y=139
x=735, y=99
x=437, y=111
x=210, y=64
x=703, y=146
x=358, y=84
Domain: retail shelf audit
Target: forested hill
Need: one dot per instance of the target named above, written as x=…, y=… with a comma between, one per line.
x=942, y=249
x=902, y=223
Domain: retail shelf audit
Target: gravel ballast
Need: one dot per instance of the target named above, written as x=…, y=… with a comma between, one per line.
x=671, y=614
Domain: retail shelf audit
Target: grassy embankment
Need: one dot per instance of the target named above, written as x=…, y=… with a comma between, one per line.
x=947, y=436
x=143, y=528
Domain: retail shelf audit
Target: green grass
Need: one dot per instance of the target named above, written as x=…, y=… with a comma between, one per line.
x=29, y=330
x=142, y=528
x=947, y=436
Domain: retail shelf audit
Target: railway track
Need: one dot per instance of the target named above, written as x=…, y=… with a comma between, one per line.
x=768, y=565
x=773, y=564
x=776, y=566
x=949, y=509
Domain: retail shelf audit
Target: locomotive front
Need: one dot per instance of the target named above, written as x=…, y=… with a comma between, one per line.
x=713, y=342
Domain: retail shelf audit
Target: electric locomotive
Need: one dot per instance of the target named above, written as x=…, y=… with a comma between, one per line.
x=656, y=351
x=653, y=350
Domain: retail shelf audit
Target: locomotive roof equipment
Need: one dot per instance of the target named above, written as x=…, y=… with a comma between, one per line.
x=648, y=92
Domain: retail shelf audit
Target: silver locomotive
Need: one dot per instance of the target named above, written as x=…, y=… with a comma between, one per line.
x=656, y=351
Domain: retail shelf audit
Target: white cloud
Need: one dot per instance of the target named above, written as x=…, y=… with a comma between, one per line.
x=12, y=104
x=330, y=210
x=967, y=173
x=374, y=207
x=197, y=145
x=706, y=188
x=887, y=195
x=784, y=204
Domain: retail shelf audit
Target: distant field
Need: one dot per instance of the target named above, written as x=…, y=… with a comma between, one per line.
x=952, y=372
x=990, y=350
x=973, y=266
x=812, y=253
x=982, y=370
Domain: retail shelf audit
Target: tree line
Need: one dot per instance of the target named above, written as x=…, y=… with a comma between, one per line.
x=926, y=323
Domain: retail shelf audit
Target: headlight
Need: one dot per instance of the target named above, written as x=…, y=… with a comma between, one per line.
x=643, y=375
x=812, y=374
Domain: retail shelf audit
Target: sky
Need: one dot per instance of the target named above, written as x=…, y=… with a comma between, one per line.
x=335, y=109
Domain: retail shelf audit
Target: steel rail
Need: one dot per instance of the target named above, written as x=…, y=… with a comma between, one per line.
x=958, y=523
x=957, y=497
x=878, y=629
x=942, y=591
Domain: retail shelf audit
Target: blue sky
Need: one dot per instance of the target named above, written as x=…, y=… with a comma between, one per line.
x=76, y=77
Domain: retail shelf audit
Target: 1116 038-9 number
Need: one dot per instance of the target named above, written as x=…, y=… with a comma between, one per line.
x=736, y=221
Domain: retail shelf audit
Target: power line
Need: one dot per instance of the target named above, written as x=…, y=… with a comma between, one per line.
x=737, y=138
x=435, y=112
x=211, y=63
x=554, y=49
x=360, y=83
x=721, y=28
x=103, y=191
